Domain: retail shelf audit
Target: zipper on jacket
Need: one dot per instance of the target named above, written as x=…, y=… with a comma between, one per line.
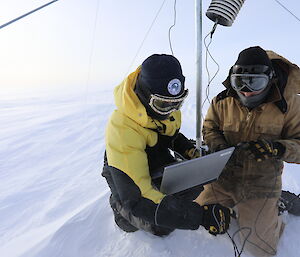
x=248, y=116
x=248, y=123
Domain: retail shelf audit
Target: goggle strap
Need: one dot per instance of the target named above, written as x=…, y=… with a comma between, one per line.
x=251, y=69
x=170, y=98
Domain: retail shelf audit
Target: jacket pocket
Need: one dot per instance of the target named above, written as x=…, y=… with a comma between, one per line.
x=268, y=131
x=232, y=133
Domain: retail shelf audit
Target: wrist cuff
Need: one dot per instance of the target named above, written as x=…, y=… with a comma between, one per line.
x=280, y=149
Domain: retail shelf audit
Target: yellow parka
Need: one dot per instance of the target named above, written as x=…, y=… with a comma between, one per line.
x=129, y=131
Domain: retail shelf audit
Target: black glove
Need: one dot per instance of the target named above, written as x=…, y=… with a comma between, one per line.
x=173, y=212
x=216, y=218
x=261, y=150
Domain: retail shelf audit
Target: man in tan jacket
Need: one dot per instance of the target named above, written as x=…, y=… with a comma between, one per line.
x=259, y=114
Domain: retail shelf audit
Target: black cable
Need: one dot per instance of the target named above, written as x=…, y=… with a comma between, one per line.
x=173, y=25
x=245, y=240
x=239, y=252
x=207, y=70
x=207, y=53
x=273, y=251
x=235, y=248
x=284, y=7
x=273, y=189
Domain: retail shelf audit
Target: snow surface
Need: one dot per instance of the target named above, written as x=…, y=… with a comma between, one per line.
x=54, y=202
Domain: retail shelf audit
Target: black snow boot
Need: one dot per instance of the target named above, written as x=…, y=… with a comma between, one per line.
x=289, y=202
x=121, y=222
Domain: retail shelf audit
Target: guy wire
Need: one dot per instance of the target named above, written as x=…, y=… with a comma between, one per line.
x=86, y=88
x=146, y=35
x=284, y=7
x=91, y=56
x=26, y=14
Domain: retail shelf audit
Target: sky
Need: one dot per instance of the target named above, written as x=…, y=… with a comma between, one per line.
x=77, y=45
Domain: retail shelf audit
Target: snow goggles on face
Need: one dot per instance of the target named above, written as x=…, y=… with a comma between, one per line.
x=252, y=78
x=252, y=82
x=165, y=104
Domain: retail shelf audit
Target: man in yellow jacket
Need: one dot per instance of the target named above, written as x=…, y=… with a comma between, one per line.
x=259, y=113
x=139, y=136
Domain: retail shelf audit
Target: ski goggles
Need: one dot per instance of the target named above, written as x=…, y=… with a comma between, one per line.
x=165, y=105
x=252, y=82
x=252, y=78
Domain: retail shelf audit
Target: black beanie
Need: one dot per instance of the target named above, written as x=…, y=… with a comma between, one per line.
x=157, y=71
x=253, y=56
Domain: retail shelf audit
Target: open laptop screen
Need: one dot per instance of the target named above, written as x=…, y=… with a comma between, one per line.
x=200, y=171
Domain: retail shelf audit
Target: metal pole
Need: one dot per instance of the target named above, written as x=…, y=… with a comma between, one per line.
x=26, y=14
x=198, y=25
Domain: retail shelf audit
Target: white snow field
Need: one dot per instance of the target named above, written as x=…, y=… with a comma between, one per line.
x=54, y=202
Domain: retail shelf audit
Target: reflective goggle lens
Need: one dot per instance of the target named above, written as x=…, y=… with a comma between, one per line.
x=253, y=82
x=165, y=105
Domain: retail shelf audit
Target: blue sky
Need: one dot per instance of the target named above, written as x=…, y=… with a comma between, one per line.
x=62, y=48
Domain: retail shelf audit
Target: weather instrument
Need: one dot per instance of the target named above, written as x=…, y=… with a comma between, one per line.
x=224, y=12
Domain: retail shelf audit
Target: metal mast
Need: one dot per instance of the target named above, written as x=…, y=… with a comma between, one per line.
x=198, y=27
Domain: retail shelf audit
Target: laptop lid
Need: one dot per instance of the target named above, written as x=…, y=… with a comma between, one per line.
x=190, y=173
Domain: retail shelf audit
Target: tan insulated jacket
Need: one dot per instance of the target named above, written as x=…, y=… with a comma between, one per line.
x=228, y=122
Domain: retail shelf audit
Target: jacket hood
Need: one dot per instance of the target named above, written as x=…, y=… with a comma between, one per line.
x=293, y=71
x=273, y=56
x=129, y=104
x=127, y=101
x=287, y=82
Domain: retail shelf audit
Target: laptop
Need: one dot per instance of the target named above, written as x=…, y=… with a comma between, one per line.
x=189, y=173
